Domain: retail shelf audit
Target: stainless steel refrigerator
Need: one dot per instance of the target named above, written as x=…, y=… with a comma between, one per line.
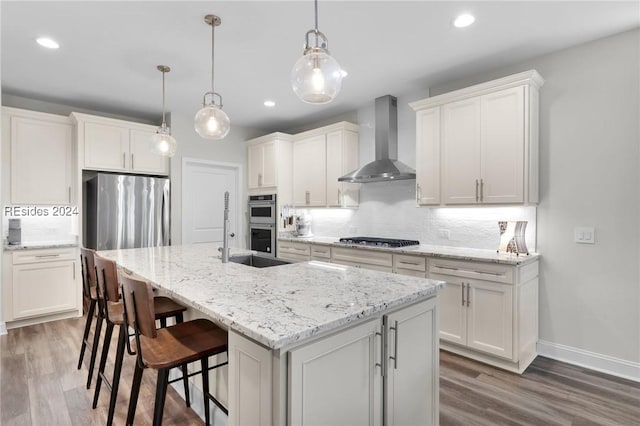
x=124, y=211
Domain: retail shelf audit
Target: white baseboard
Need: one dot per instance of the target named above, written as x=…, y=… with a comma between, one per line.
x=3, y=328
x=594, y=361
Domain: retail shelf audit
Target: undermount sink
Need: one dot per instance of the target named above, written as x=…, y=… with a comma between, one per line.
x=258, y=261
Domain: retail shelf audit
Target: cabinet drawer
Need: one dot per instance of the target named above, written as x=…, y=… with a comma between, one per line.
x=44, y=255
x=415, y=263
x=321, y=251
x=300, y=249
x=410, y=273
x=364, y=266
x=368, y=257
x=475, y=270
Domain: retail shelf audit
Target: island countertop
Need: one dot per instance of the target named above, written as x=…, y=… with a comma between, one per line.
x=275, y=306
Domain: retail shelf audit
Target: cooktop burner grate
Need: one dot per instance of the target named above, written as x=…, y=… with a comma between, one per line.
x=382, y=242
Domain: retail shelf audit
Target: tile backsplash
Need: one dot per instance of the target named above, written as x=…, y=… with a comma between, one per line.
x=388, y=209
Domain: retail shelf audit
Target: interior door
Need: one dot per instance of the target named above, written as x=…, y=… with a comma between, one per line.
x=203, y=186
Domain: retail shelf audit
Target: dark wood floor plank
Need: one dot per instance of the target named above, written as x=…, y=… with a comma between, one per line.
x=13, y=389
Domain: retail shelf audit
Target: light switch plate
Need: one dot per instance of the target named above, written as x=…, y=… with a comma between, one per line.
x=584, y=235
x=444, y=234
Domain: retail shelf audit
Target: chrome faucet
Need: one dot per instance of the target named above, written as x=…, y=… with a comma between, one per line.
x=225, y=230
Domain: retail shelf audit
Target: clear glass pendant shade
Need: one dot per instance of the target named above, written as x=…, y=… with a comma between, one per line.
x=316, y=77
x=162, y=143
x=212, y=123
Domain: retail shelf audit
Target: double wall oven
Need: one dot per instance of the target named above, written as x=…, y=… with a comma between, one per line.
x=262, y=223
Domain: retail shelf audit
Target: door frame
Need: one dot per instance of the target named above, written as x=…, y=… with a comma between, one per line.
x=237, y=167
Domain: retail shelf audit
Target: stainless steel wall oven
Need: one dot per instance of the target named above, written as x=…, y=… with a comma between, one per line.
x=262, y=223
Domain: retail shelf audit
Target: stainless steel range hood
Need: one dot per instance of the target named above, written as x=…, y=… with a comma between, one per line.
x=386, y=165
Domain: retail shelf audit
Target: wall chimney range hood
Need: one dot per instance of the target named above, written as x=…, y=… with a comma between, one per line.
x=386, y=165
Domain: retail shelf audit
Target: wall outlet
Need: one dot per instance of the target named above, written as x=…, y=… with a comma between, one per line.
x=584, y=235
x=443, y=234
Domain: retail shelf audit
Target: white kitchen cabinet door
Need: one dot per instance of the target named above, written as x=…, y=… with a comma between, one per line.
x=262, y=165
x=412, y=365
x=43, y=288
x=428, y=156
x=461, y=151
x=503, y=141
x=490, y=317
x=309, y=172
x=250, y=382
x=453, y=310
x=106, y=147
x=41, y=161
x=142, y=160
x=337, y=380
x=342, y=158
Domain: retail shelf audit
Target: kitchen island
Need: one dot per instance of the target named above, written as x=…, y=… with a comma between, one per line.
x=312, y=342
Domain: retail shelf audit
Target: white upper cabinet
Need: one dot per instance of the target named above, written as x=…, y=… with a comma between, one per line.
x=117, y=145
x=309, y=172
x=320, y=157
x=41, y=157
x=269, y=166
x=428, y=156
x=342, y=158
x=488, y=143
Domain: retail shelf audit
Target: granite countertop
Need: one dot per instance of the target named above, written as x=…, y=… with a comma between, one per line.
x=460, y=253
x=275, y=306
x=38, y=246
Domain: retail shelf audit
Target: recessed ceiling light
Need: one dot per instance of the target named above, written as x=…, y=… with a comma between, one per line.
x=269, y=104
x=464, y=20
x=47, y=42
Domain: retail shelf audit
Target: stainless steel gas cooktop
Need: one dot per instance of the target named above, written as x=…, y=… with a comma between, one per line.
x=380, y=242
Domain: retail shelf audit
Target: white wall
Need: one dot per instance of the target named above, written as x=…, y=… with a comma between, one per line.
x=589, y=176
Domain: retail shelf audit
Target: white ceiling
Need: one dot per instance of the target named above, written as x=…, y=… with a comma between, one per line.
x=110, y=49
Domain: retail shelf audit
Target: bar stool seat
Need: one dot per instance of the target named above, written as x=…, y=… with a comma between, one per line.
x=185, y=342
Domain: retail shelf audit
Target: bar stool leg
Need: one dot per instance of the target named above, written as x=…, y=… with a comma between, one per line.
x=161, y=393
x=87, y=327
x=185, y=371
x=135, y=391
x=122, y=338
x=205, y=389
x=103, y=361
x=94, y=350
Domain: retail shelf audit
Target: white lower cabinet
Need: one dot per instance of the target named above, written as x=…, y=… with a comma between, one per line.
x=42, y=282
x=338, y=379
x=294, y=251
x=383, y=371
x=489, y=312
x=376, y=260
x=380, y=369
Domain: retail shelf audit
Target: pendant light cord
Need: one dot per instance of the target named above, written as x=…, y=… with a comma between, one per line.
x=164, y=123
x=316, y=20
x=213, y=27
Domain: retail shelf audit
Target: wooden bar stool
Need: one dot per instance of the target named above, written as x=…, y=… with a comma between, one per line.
x=166, y=348
x=89, y=291
x=113, y=312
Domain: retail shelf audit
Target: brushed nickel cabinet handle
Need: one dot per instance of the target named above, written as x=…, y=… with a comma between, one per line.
x=395, y=346
x=74, y=271
x=44, y=256
x=468, y=301
x=259, y=179
x=339, y=196
x=462, y=288
x=124, y=159
x=307, y=197
x=379, y=364
x=69, y=195
x=481, y=190
x=132, y=166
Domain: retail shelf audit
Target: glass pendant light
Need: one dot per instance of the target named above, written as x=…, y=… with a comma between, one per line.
x=162, y=143
x=211, y=121
x=316, y=77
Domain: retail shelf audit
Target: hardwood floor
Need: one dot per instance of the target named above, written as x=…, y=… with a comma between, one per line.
x=40, y=385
